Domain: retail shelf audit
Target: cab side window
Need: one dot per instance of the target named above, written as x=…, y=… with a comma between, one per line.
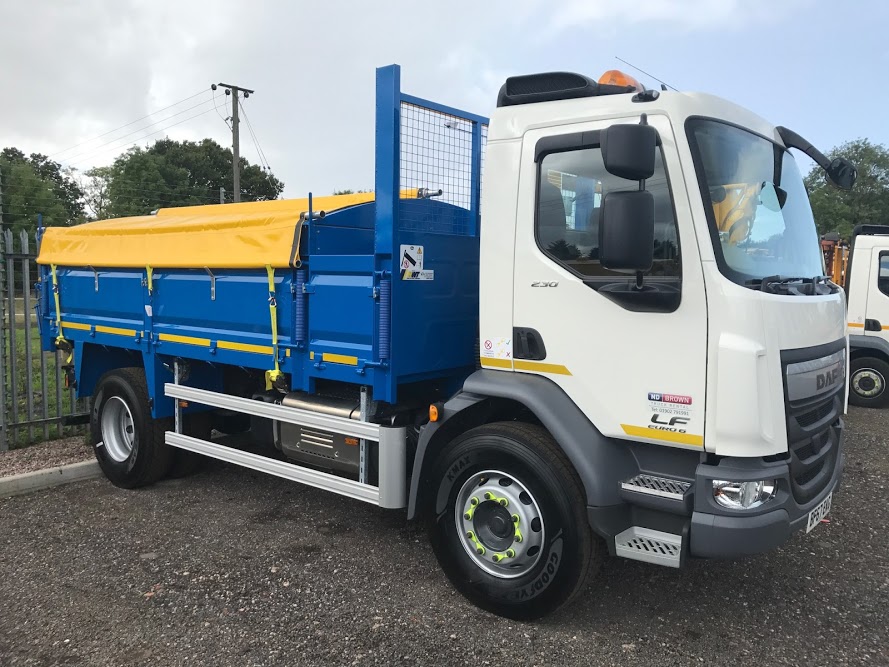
x=572, y=184
x=883, y=277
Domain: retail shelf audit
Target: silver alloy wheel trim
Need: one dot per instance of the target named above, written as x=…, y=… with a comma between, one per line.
x=118, y=428
x=489, y=481
x=873, y=374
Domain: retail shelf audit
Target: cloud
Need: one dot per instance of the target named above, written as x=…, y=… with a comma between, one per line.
x=685, y=15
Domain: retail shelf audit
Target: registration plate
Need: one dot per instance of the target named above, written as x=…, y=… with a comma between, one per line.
x=817, y=514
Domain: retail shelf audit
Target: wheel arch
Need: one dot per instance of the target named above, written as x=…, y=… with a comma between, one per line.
x=496, y=395
x=868, y=346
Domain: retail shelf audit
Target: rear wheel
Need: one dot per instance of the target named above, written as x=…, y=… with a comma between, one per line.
x=509, y=525
x=867, y=383
x=128, y=443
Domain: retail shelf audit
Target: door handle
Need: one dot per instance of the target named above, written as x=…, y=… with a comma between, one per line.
x=872, y=325
x=528, y=344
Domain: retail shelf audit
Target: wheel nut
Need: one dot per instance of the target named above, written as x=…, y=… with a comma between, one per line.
x=480, y=551
x=473, y=501
x=504, y=502
x=510, y=553
x=515, y=518
x=468, y=516
x=489, y=495
x=470, y=535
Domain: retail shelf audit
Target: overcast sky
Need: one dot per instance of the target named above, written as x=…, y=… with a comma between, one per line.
x=72, y=70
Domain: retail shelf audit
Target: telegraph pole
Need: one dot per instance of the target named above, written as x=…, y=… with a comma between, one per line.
x=236, y=140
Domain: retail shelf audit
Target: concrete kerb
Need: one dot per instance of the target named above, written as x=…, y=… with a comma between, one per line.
x=28, y=482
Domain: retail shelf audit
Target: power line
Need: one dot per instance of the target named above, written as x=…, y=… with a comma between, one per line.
x=224, y=119
x=90, y=151
x=132, y=122
x=263, y=161
x=163, y=129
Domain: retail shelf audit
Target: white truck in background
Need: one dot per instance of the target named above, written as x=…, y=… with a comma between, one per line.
x=862, y=267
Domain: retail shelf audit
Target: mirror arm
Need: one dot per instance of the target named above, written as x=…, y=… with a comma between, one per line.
x=792, y=140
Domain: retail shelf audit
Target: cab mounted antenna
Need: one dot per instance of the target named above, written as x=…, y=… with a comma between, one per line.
x=664, y=85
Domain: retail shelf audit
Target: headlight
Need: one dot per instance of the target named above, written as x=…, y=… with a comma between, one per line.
x=743, y=495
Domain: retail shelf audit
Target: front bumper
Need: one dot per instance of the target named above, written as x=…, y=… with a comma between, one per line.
x=718, y=532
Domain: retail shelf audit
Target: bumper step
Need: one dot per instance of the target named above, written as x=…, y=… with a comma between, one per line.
x=649, y=546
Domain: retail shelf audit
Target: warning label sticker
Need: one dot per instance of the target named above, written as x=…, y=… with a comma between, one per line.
x=412, y=264
x=411, y=258
x=497, y=348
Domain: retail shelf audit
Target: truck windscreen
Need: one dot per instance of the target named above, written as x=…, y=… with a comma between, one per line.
x=758, y=210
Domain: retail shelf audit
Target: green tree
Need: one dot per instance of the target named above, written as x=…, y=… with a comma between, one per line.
x=178, y=173
x=64, y=186
x=840, y=211
x=95, y=192
x=26, y=194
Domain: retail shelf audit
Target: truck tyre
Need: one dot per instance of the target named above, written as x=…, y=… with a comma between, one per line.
x=508, y=522
x=184, y=462
x=128, y=443
x=867, y=383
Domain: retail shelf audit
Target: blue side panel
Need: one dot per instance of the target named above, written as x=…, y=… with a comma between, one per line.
x=435, y=322
x=116, y=302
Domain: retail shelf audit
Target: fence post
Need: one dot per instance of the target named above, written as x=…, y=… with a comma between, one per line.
x=29, y=344
x=4, y=445
x=13, y=374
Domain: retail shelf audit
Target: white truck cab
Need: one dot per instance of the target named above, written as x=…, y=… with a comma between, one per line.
x=867, y=287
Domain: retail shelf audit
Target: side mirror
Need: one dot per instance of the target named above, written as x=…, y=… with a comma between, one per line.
x=629, y=151
x=842, y=173
x=626, y=231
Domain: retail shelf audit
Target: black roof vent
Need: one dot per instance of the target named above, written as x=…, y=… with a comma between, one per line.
x=551, y=86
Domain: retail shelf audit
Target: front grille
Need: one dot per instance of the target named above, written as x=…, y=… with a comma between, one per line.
x=813, y=440
x=814, y=416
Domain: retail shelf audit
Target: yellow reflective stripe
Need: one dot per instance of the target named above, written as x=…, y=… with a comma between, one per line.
x=76, y=325
x=488, y=362
x=244, y=347
x=666, y=436
x=339, y=359
x=186, y=340
x=540, y=367
x=101, y=328
x=857, y=325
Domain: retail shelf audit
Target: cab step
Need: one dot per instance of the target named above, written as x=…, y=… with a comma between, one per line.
x=666, y=494
x=662, y=487
x=649, y=546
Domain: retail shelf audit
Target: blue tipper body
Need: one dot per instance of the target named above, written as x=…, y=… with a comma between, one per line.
x=345, y=313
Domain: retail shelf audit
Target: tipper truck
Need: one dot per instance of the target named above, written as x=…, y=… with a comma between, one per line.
x=593, y=324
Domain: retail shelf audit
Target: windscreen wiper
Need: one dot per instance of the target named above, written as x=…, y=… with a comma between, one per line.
x=777, y=284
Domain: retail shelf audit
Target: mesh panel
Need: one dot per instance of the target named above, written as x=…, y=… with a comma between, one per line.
x=436, y=154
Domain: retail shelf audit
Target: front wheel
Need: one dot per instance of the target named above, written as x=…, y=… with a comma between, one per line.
x=867, y=383
x=508, y=525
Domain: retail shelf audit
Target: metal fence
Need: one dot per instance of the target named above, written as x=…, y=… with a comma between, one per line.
x=34, y=403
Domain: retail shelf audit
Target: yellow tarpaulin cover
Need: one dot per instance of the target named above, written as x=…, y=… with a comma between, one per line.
x=249, y=235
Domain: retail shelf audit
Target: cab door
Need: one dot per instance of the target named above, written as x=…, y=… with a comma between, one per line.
x=876, y=319
x=633, y=360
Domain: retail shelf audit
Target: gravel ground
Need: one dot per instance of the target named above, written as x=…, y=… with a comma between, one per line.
x=234, y=568
x=50, y=454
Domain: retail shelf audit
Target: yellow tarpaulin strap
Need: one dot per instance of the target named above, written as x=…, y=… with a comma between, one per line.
x=273, y=375
x=150, y=273
x=60, y=339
